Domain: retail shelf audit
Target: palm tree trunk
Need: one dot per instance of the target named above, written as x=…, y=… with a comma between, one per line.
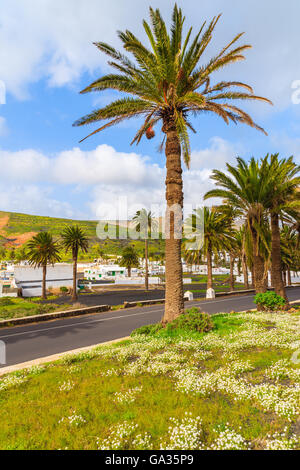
x=289, y=277
x=231, y=272
x=252, y=277
x=209, y=268
x=129, y=271
x=174, y=305
x=276, y=268
x=146, y=267
x=245, y=272
x=284, y=278
x=74, y=295
x=44, y=293
x=258, y=264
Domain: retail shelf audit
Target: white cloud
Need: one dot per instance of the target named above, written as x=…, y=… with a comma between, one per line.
x=103, y=165
x=52, y=39
x=24, y=166
x=33, y=199
x=216, y=154
x=101, y=176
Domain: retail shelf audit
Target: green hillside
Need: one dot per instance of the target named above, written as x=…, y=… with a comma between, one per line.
x=24, y=223
x=16, y=229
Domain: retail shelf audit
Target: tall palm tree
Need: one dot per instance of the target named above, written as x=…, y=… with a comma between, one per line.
x=74, y=239
x=217, y=235
x=246, y=187
x=129, y=259
x=144, y=222
x=43, y=250
x=168, y=81
x=283, y=184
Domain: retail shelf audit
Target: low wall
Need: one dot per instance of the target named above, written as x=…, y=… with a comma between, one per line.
x=53, y=316
x=72, y=313
x=143, y=303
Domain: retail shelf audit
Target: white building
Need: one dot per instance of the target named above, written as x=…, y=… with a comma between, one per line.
x=29, y=279
x=104, y=272
x=8, y=290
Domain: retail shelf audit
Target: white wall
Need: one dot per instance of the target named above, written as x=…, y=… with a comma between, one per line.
x=30, y=279
x=138, y=281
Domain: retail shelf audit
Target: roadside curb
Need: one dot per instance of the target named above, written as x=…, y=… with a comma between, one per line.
x=73, y=313
x=54, y=357
x=53, y=316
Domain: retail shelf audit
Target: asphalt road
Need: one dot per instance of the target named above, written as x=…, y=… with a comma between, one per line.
x=30, y=342
x=118, y=297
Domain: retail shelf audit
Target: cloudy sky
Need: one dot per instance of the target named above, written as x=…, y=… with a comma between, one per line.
x=47, y=57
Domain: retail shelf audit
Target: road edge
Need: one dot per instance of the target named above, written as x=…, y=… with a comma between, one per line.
x=55, y=357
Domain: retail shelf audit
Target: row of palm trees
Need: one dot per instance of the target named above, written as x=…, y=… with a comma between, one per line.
x=264, y=193
x=262, y=198
x=43, y=250
x=223, y=237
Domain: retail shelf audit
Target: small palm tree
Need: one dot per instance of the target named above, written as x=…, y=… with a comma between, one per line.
x=129, y=259
x=144, y=223
x=167, y=83
x=74, y=239
x=217, y=235
x=43, y=250
x=99, y=252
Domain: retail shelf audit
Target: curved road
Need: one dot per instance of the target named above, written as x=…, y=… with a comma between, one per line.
x=26, y=343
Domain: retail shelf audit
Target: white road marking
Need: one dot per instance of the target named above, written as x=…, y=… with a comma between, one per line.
x=79, y=323
x=108, y=319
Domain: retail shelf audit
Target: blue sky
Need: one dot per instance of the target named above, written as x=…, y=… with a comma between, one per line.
x=47, y=57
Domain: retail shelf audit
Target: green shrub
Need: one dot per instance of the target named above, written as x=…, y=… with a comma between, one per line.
x=269, y=301
x=193, y=321
x=148, y=330
x=64, y=290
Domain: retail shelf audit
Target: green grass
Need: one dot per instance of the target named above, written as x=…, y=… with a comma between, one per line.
x=16, y=307
x=34, y=412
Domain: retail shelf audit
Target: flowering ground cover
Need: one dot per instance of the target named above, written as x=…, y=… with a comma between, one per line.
x=236, y=387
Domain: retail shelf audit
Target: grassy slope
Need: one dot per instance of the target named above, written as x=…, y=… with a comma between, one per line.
x=32, y=416
x=20, y=224
x=23, y=223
